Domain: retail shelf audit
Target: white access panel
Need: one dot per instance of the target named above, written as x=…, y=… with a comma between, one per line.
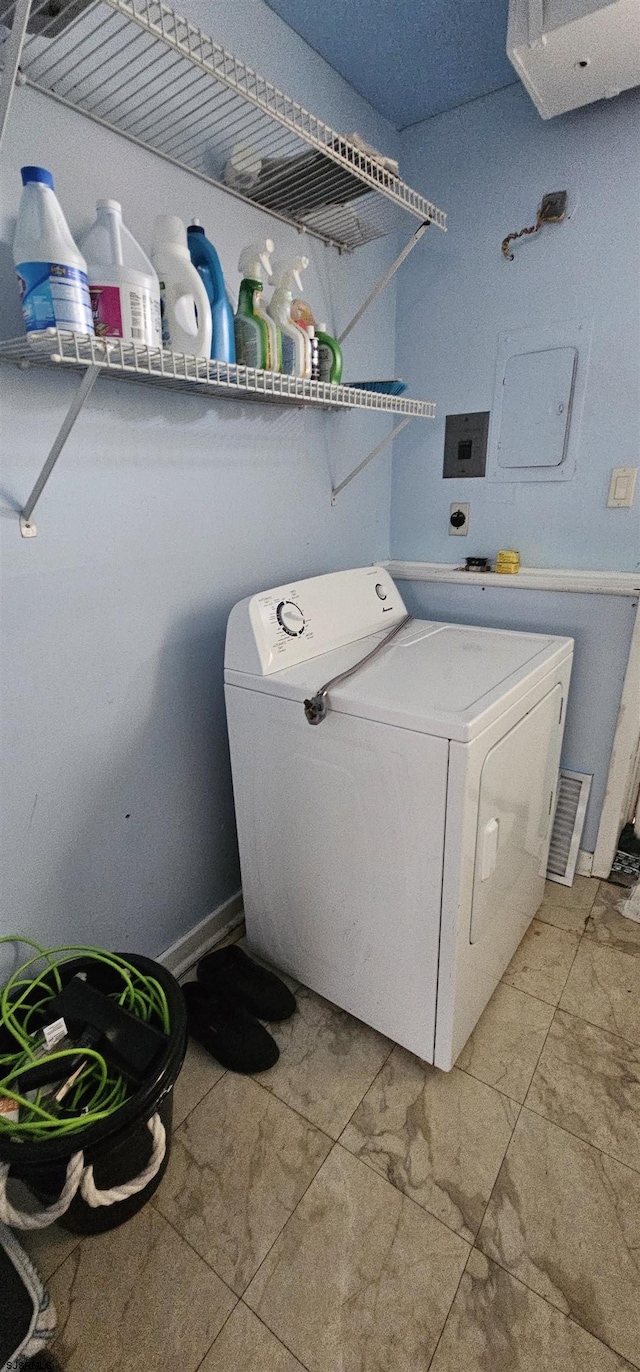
x=536, y=408
x=341, y=876
x=539, y=390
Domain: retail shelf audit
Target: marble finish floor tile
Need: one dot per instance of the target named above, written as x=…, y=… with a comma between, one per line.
x=246, y=1345
x=239, y=1165
x=48, y=1248
x=440, y=1137
x=327, y=1061
x=568, y=906
x=498, y=1325
x=137, y=1297
x=588, y=1081
x=199, y=1073
x=604, y=987
x=579, y=896
x=565, y=1219
x=507, y=1041
x=606, y=925
x=542, y=961
x=361, y=1279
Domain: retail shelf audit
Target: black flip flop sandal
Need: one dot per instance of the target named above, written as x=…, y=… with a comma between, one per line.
x=233, y=1037
x=259, y=991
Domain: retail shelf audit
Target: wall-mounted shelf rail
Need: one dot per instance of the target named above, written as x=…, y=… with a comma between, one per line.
x=139, y=68
x=94, y=357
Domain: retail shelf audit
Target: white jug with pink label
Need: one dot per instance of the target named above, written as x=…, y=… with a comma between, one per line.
x=124, y=287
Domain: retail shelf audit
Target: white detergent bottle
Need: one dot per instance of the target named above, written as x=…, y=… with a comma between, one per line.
x=124, y=288
x=296, y=345
x=186, y=313
x=51, y=272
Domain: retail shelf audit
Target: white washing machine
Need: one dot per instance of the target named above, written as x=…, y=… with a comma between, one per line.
x=393, y=854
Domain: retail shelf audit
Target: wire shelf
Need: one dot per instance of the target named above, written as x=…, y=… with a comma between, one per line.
x=139, y=68
x=178, y=371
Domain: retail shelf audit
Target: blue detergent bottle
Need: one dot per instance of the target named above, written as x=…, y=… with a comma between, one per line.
x=207, y=263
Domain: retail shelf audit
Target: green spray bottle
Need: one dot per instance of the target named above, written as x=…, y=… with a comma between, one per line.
x=258, y=342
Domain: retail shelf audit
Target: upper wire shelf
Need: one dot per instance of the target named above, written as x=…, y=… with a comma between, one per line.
x=139, y=68
x=178, y=371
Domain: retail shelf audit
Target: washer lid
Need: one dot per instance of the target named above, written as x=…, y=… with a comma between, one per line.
x=446, y=679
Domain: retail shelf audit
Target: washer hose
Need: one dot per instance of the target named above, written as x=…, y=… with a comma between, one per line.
x=316, y=708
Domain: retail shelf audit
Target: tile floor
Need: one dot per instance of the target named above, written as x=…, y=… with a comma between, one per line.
x=354, y=1210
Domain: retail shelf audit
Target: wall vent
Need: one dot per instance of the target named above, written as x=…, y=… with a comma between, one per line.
x=571, y=808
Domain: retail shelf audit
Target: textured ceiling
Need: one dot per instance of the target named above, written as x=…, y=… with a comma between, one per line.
x=409, y=58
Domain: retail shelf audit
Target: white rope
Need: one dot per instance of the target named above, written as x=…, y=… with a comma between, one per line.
x=80, y=1178
x=18, y=1219
x=89, y=1190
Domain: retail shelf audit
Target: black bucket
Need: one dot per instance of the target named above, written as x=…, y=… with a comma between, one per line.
x=119, y=1147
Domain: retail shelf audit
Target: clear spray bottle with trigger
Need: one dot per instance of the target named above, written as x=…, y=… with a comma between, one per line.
x=296, y=344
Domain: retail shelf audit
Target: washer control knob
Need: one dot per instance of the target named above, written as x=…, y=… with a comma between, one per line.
x=290, y=618
x=380, y=591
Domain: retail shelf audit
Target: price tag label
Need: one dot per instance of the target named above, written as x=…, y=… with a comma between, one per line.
x=54, y=1032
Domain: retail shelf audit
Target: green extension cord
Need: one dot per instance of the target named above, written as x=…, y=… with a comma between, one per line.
x=98, y=1091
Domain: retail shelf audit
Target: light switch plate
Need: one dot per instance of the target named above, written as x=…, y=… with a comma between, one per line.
x=459, y=518
x=622, y=488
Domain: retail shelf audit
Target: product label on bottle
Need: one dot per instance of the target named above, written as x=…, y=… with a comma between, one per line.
x=128, y=312
x=164, y=322
x=54, y=297
x=248, y=342
x=325, y=361
x=288, y=355
x=107, y=315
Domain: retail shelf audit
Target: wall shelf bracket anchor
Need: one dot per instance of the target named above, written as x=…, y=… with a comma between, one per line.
x=335, y=490
x=27, y=527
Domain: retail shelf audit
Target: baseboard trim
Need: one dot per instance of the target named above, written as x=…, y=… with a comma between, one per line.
x=192, y=946
x=584, y=865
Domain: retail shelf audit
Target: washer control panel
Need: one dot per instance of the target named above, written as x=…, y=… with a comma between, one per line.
x=290, y=618
x=293, y=623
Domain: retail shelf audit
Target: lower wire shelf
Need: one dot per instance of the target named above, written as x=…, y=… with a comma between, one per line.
x=179, y=371
x=94, y=357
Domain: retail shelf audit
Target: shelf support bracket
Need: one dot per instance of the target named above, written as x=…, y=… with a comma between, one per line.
x=27, y=528
x=384, y=281
x=13, y=53
x=335, y=490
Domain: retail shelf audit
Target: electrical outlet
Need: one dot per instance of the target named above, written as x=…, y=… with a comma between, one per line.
x=459, y=518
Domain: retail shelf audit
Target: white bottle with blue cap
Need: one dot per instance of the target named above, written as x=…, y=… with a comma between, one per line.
x=51, y=272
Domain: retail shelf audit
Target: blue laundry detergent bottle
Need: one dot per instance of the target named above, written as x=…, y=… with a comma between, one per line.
x=207, y=263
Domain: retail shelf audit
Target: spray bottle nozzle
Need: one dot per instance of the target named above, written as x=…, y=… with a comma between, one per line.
x=255, y=260
x=286, y=275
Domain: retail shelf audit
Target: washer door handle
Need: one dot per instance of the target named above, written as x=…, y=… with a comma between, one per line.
x=490, y=839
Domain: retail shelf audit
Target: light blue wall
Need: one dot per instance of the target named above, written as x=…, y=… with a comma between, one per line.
x=118, y=822
x=489, y=163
